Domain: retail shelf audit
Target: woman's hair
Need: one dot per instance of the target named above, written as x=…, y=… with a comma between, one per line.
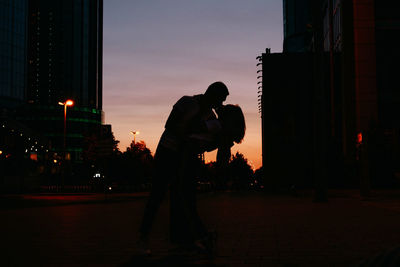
x=233, y=123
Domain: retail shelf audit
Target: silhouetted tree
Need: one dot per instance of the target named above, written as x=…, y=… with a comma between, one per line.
x=136, y=165
x=100, y=156
x=240, y=172
x=97, y=146
x=89, y=149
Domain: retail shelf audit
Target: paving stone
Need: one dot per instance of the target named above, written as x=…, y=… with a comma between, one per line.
x=254, y=229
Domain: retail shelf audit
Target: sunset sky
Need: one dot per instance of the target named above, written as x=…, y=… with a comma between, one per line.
x=156, y=51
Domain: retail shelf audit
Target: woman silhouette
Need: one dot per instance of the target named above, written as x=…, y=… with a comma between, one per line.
x=187, y=228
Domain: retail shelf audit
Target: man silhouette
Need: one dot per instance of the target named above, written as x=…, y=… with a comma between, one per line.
x=187, y=117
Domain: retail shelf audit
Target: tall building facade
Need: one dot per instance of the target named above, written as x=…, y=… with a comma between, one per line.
x=354, y=55
x=65, y=52
x=13, y=39
x=297, y=27
x=64, y=63
x=287, y=119
x=387, y=28
x=50, y=52
x=360, y=38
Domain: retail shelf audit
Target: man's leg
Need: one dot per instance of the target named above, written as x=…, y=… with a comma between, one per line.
x=164, y=173
x=181, y=230
x=186, y=225
x=157, y=194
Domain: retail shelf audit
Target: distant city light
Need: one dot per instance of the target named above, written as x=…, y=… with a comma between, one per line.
x=134, y=135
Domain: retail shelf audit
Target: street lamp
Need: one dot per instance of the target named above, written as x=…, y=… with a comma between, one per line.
x=134, y=135
x=65, y=104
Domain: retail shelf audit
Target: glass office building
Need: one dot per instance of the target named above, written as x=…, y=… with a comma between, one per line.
x=296, y=26
x=65, y=52
x=13, y=22
x=64, y=62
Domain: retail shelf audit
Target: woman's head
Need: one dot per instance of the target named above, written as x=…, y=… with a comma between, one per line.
x=233, y=122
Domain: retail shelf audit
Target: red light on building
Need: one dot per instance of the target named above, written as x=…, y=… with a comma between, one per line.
x=359, y=138
x=34, y=156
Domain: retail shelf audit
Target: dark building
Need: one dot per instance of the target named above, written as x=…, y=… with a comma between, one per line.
x=354, y=52
x=297, y=25
x=387, y=28
x=51, y=51
x=64, y=62
x=21, y=148
x=65, y=52
x=360, y=38
x=13, y=21
x=287, y=118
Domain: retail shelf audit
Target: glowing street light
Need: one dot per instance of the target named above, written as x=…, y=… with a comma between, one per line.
x=68, y=103
x=134, y=135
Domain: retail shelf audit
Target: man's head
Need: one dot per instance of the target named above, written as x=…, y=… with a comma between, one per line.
x=216, y=93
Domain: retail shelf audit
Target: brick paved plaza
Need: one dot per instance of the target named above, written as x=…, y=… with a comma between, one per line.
x=254, y=229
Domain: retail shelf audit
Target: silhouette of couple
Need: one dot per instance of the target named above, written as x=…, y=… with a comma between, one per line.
x=191, y=129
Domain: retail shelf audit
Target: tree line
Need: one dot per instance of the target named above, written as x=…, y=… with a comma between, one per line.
x=132, y=170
